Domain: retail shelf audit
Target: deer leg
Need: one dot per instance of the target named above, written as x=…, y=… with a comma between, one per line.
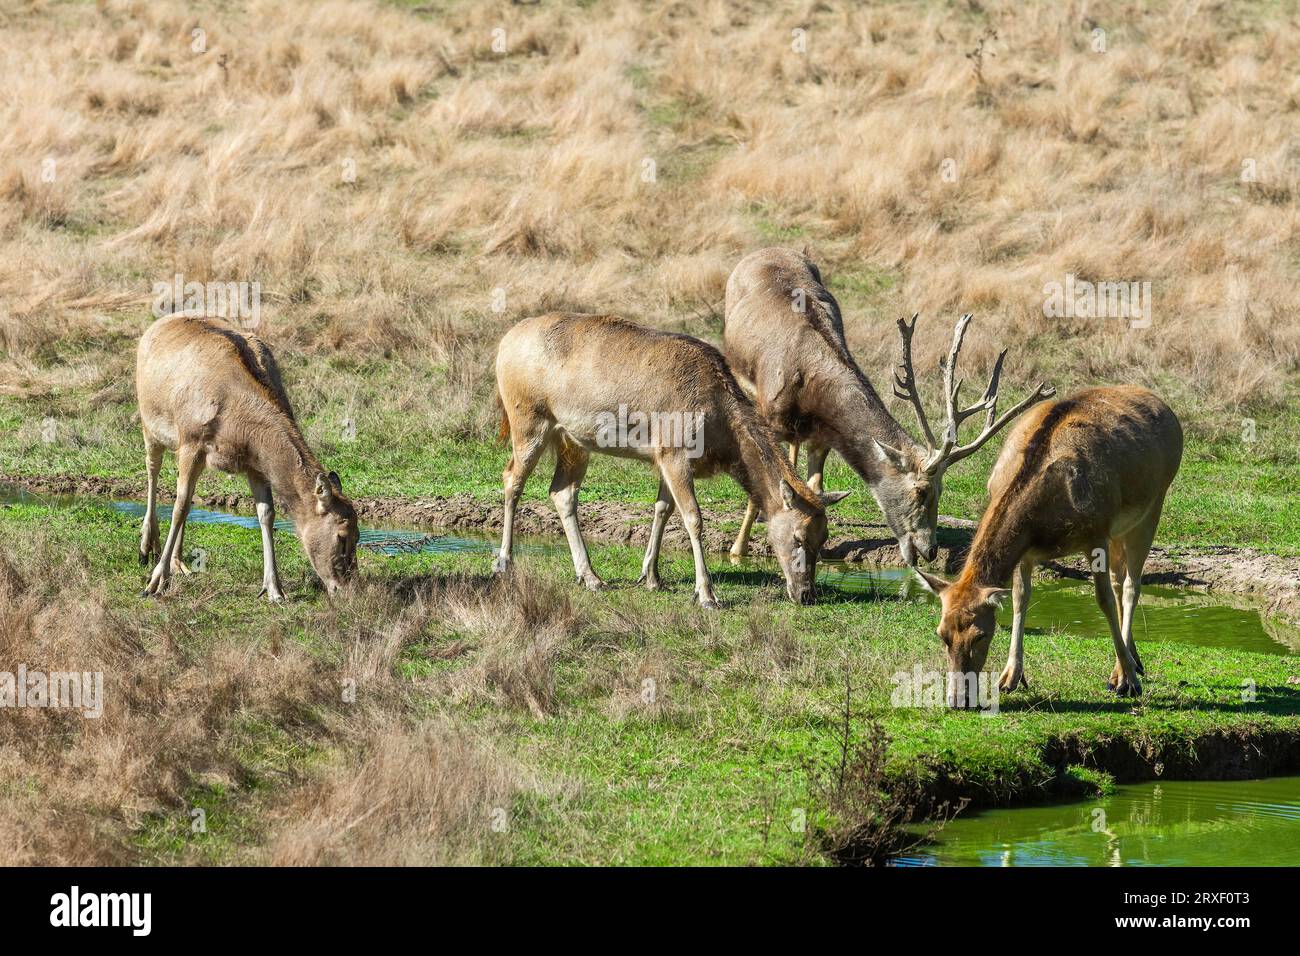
x=153, y=456
x=271, y=585
x=741, y=547
x=1118, y=576
x=816, y=464
x=570, y=466
x=650, y=566
x=1021, y=587
x=794, y=455
x=178, y=555
x=1124, y=679
x=677, y=474
x=1136, y=548
x=526, y=450
x=189, y=465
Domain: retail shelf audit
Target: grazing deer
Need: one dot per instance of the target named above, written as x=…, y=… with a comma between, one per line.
x=783, y=333
x=1086, y=473
x=567, y=381
x=213, y=396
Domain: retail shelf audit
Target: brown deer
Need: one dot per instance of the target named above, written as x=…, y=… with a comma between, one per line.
x=595, y=383
x=213, y=396
x=1087, y=473
x=783, y=334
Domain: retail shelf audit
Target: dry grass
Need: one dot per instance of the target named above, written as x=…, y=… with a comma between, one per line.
x=522, y=171
x=379, y=779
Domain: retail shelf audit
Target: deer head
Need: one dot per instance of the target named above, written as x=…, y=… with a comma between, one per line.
x=797, y=532
x=912, y=476
x=966, y=626
x=329, y=534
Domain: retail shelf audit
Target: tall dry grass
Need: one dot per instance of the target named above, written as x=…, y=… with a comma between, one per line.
x=309, y=774
x=524, y=171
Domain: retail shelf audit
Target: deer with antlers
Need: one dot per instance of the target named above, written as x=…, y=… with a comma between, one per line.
x=1087, y=473
x=567, y=381
x=784, y=336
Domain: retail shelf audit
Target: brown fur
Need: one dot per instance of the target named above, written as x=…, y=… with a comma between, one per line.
x=213, y=395
x=810, y=390
x=557, y=374
x=1087, y=474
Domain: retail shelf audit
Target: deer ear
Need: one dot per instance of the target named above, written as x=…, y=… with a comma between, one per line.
x=890, y=454
x=834, y=497
x=336, y=482
x=787, y=494
x=995, y=596
x=932, y=582
x=323, y=493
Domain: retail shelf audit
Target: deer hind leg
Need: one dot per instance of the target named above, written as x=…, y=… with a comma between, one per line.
x=149, y=542
x=676, y=473
x=1137, y=545
x=741, y=546
x=189, y=465
x=1124, y=678
x=570, y=467
x=1013, y=675
x=650, y=566
x=816, y=465
x=527, y=445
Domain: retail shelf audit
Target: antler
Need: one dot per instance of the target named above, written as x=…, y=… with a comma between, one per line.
x=905, y=384
x=948, y=451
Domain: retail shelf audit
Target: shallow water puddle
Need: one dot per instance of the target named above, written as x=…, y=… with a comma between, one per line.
x=1170, y=823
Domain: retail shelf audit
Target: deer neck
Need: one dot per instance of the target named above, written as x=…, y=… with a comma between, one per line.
x=760, y=465
x=1001, y=541
x=854, y=412
x=280, y=454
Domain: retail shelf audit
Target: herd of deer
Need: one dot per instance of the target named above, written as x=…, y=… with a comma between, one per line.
x=1087, y=473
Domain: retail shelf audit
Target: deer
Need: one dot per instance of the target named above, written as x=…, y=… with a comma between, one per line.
x=573, y=382
x=213, y=395
x=1087, y=473
x=783, y=336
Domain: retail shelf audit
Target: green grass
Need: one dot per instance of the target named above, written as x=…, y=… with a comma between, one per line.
x=715, y=768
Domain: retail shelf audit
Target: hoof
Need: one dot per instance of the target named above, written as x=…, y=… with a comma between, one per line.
x=650, y=583
x=593, y=583
x=736, y=558
x=1126, y=687
x=146, y=558
x=1012, y=679
x=709, y=603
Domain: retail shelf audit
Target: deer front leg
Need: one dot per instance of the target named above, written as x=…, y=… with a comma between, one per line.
x=741, y=547
x=676, y=473
x=1013, y=675
x=1124, y=678
x=189, y=464
x=149, y=543
x=650, y=566
x=271, y=585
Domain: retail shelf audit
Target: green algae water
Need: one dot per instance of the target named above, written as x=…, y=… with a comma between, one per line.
x=1171, y=823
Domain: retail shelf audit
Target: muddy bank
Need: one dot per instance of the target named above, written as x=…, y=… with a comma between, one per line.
x=1240, y=753
x=1272, y=579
